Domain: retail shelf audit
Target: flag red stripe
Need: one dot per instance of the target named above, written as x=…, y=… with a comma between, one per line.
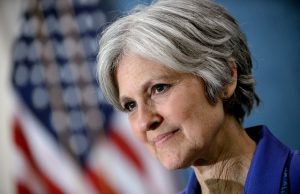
x=23, y=189
x=22, y=144
x=99, y=182
x=125, y=147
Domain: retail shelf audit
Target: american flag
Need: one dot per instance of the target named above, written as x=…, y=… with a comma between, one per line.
x=68, y=140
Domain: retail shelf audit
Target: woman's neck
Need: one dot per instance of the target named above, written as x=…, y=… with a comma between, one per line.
x=226, y=171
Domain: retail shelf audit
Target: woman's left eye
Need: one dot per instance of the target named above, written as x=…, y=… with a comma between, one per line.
x=159, y=88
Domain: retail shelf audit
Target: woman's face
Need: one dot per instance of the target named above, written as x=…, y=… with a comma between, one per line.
x=168, y=111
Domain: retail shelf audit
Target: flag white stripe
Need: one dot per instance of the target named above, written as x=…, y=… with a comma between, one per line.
x=52, y=160
x=23, y=172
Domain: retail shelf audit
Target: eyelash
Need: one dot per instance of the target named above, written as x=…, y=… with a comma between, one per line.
x=159, y=88
x=155, y=89
x=128, y=106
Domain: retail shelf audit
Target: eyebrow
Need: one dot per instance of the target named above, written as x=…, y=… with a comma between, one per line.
x=124, y=99
x=144, y=87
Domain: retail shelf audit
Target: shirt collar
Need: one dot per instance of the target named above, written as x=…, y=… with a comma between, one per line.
x=267, y=163
x=193, y=186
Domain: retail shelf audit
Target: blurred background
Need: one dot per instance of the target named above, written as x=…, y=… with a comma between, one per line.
x=58, y=135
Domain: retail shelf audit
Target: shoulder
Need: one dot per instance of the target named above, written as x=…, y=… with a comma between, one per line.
x=268, y=162
x=294, y=172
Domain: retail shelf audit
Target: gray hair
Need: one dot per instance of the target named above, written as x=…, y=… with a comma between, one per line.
x=191, y=36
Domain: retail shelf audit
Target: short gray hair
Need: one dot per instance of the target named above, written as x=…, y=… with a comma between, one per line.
x=191, y=36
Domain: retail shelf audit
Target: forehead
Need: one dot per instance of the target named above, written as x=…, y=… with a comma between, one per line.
x=135, y=61
x=134, y=72
x=141, y=68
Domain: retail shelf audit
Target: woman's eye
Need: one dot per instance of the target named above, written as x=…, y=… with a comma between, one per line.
x=129, y=106
x=159, y=88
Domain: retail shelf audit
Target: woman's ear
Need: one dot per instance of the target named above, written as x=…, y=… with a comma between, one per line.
x=230, y=88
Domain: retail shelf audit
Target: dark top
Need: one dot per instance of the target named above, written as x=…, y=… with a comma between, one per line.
x=270, y=170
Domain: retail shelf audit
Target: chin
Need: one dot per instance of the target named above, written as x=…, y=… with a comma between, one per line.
x=173, y=163
x=169, y=166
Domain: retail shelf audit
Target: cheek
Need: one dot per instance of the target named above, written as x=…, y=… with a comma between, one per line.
x=199, y=119
x=182, y=107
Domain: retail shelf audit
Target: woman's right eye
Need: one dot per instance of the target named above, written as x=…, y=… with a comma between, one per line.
x=129, y=106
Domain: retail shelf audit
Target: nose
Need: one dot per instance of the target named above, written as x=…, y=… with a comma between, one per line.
x=149, y=118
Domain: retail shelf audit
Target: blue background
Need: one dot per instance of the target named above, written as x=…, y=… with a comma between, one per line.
x=273, y=31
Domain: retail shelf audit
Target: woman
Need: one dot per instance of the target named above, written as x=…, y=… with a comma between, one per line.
x=181, y=69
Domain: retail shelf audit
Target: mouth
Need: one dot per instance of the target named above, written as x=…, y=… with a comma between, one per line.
x=159, y=140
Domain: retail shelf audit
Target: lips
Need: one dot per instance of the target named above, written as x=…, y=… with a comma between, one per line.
x=159, y=140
